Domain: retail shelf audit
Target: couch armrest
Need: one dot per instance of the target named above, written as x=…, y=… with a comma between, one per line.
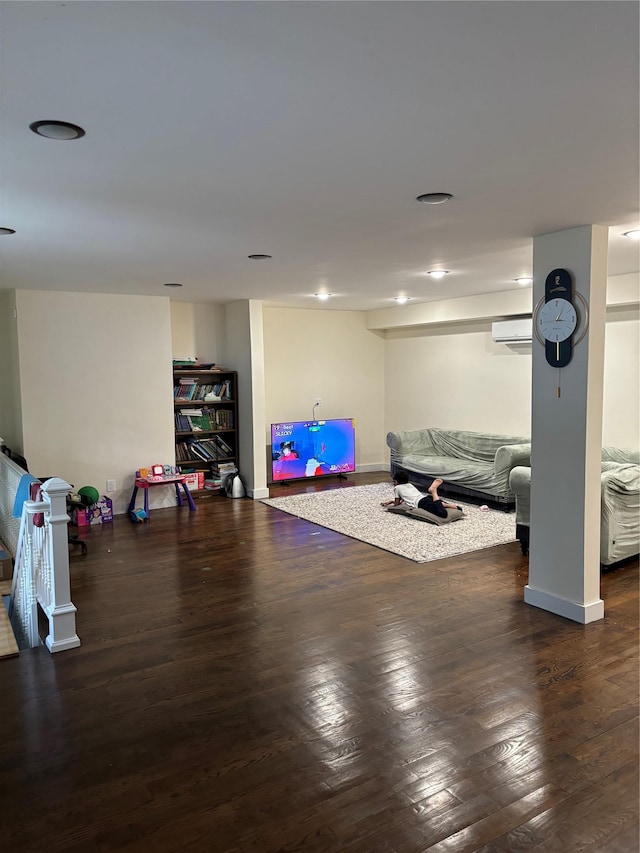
x=520, y=485
x=509, y=456
x=415, y=441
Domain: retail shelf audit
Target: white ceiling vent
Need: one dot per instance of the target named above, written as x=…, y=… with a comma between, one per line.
x=512, y=331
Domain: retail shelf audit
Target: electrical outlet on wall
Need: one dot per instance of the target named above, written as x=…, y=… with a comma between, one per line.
x=111, y=485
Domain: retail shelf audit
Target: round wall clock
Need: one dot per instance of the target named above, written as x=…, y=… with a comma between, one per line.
x=556, y=318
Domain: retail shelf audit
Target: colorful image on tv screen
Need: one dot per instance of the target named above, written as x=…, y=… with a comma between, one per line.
x=312, y=448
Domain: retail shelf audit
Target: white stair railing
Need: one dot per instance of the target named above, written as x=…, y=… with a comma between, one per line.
x=53, y=586
x=10, y=475
x=41, y=571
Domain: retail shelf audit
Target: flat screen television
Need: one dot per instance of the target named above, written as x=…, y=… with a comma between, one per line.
x=301, y=449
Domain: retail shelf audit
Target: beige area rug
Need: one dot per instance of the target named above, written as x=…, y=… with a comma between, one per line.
x=355, y=511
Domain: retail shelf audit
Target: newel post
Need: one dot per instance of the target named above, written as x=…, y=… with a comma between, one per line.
x=60, y=611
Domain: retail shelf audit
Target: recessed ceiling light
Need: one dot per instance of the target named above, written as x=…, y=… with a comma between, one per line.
x=633, y=235
x=259, y=257
x=7, y=231
x=524, y=280
x=438, y=273
x=401, y=299
x=173, y=284
x=434, y=198
x=57, y=129
x=323, y=295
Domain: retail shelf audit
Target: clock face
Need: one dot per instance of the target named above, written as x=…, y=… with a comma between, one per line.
x=557, y=320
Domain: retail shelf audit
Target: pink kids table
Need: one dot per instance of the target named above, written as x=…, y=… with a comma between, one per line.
x=146, y=483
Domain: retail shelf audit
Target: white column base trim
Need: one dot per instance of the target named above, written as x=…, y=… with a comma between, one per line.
x=62, y=645
x=583, y=613
x=62, y=628
x=259, y=494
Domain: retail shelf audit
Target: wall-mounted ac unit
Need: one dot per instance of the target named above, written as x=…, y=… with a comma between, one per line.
x=512, y=331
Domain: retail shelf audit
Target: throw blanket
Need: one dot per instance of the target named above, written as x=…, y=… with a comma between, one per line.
x=23, y=493
x=474, y=446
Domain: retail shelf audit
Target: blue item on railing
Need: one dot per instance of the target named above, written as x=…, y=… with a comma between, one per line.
x=22, y=493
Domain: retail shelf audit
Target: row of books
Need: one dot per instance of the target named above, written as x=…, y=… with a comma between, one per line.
x=191, y=389
x=207, y=449
x=203, y=420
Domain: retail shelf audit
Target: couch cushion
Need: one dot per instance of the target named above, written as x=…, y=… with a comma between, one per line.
x=423, y=515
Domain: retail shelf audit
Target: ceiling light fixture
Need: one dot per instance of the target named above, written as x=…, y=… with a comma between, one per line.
x=633, y=235
x=434, y=198
x=401, y=299
x=438, y=273
x=57, y=129
x=4, y=231
x=323, y=296
x=259, y=257
x=524, y=280
x=172, y=284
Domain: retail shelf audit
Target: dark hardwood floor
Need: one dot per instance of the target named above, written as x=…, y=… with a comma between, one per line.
x=250, y=683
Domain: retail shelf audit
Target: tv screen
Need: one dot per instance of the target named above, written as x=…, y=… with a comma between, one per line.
x=302, y=449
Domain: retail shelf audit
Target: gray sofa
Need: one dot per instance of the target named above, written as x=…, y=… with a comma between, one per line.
x=472, y=464
x=620, y=504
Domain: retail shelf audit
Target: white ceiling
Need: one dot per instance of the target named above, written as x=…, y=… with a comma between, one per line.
x=305, y=130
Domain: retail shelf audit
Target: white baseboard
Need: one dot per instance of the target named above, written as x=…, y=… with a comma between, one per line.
x=583, y=613
x=375, y=466
x=259, y=494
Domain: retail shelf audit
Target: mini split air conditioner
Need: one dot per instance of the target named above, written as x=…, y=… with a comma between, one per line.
x=512, y=331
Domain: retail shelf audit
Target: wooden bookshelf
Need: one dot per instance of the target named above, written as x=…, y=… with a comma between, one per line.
x=205, y=406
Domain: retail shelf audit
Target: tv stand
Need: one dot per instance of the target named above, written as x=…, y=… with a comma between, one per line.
x=342, y=476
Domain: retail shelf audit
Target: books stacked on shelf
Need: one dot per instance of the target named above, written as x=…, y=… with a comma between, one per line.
x=191, y=389
x=224, y=419
x=205, y=449
x=192, y=363
x=222, y=469
x=185, y=389
x=203, y=420
x=195, y=420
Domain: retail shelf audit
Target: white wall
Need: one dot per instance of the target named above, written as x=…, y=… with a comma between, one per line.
x=454, y=376
x=198, y=331
x=621, y=406
x=97, y=388
x=442, y=368
x=331, y=355
x=10, y=402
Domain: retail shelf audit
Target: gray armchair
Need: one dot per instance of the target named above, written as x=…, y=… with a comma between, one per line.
x=620, y=506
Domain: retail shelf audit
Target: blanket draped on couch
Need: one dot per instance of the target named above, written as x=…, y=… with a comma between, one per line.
x=470, y=463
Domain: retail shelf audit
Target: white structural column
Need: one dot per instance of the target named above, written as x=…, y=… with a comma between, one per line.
x=566, y=435
x=245, y=349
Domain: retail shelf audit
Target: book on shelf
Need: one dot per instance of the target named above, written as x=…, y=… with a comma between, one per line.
x=199, y=421
x=185, y=389
x=224, y=419
x=222, y=445
x=195, y=447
